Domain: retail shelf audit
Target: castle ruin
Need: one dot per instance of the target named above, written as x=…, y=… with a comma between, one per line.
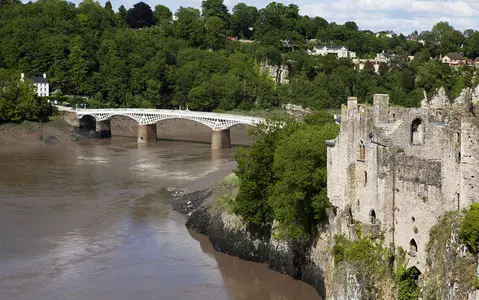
x=396, y=170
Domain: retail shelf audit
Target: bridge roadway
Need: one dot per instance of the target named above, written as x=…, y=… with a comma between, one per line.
x=220, y=124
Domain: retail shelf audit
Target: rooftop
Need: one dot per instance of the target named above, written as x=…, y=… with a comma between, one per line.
x=454, y=56
x=36, y=79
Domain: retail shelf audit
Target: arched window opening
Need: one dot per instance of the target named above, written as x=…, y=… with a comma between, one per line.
x=365, y=178
x=350, y=216
x=413, y=246
x=372, y=217
x=417, y=132
x=362, y=151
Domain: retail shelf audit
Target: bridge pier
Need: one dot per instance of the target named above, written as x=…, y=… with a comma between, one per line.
x=103, y=128
x=220, y=139
x=146, y=133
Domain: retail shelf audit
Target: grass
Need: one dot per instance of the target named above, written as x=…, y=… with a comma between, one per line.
x=225, y=203
x=231, y=180
x=228, y=188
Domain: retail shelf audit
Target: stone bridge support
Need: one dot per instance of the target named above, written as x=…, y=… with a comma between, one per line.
x=220, y=139
x=103, y=128
x=147, y=133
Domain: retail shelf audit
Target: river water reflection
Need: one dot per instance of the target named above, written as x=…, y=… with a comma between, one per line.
x=89, y=221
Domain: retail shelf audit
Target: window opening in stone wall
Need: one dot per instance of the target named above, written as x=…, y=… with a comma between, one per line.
x=350, y=215
x=458, y=138
x=413, y=219
x=417, y=132
x=458, y=201
x=362, y=151
x=365, y=178
x=458, y=157
x=412, y=246
x=372, y=217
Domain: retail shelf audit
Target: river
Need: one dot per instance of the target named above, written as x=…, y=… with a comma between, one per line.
x=90, y=220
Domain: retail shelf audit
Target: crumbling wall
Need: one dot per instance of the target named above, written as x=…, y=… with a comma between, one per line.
x=401, y=168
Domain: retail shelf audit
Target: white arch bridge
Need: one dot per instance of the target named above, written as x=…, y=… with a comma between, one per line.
x=147, y=119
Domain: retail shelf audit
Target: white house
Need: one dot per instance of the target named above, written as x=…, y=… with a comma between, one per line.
x=384, y=57
x=41, y=83
x=339, y=51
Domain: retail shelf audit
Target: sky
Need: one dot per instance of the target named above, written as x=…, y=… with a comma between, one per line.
x=400, y=16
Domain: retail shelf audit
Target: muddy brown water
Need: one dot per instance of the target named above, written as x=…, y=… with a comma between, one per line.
x=90, y=221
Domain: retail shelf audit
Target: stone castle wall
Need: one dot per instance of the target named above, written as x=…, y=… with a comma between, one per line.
x=396, y=170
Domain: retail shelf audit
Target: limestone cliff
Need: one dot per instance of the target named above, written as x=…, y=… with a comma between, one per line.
x=451, y=268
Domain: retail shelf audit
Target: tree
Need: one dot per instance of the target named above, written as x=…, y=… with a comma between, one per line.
x=121, y=16
x=162, y=14
x=78, y=67
x=214, y=8
x=383, y=68
x=243, y=20
x=9, y=2
x=215, y=33
x=471, y=48
x=190, y=26
x=255, y=170
x=351, y=26
x=139, y=16
x=18, y=101
x=369, y=67
x=445, y=39
x=468, y=32
x=298, y=198
x=433, y=75
x=108, y=6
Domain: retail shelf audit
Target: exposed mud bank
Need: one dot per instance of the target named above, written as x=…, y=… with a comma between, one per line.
x=35, y=133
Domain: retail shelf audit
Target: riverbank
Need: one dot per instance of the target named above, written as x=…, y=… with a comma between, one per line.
x=35, y=133
x=203, y=202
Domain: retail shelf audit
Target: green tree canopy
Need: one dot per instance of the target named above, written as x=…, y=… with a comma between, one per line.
x=140, y=15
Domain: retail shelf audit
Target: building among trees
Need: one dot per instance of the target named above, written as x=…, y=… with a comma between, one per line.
x=339, y=51
x=41, y=84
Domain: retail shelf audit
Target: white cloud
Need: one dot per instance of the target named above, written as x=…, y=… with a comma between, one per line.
x=397, y=15
x=401, y=16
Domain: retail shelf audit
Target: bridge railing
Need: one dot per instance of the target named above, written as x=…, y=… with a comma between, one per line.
x=188, y=113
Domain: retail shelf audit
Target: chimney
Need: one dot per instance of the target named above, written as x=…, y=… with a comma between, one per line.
x=44, y=75
x=22, y=76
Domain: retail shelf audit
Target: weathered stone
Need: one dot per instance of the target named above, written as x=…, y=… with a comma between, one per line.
x=405, y=166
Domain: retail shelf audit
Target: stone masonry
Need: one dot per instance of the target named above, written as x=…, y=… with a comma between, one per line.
x=396, y=170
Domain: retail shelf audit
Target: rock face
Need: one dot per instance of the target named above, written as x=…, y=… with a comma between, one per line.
x=279, y=74
x=230, y=235
x=451, y=267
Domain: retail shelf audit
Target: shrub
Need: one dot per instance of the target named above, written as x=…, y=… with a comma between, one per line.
x=475, y=283
x=469, y=232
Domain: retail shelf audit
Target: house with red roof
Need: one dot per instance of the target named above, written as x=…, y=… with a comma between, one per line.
x=454, y=59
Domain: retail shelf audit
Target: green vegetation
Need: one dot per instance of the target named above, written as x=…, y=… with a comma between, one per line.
x=406, y=278
x=469, y=232
x=18, y=102
x=283, y=175
x=447, y=261
x=143, y=57
x=229, y=186
x=406, y=281
x=475, y=283
x=370, y=260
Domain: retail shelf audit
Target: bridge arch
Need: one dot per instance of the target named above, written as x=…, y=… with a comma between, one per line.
x=147, y=119
x=87, y=123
